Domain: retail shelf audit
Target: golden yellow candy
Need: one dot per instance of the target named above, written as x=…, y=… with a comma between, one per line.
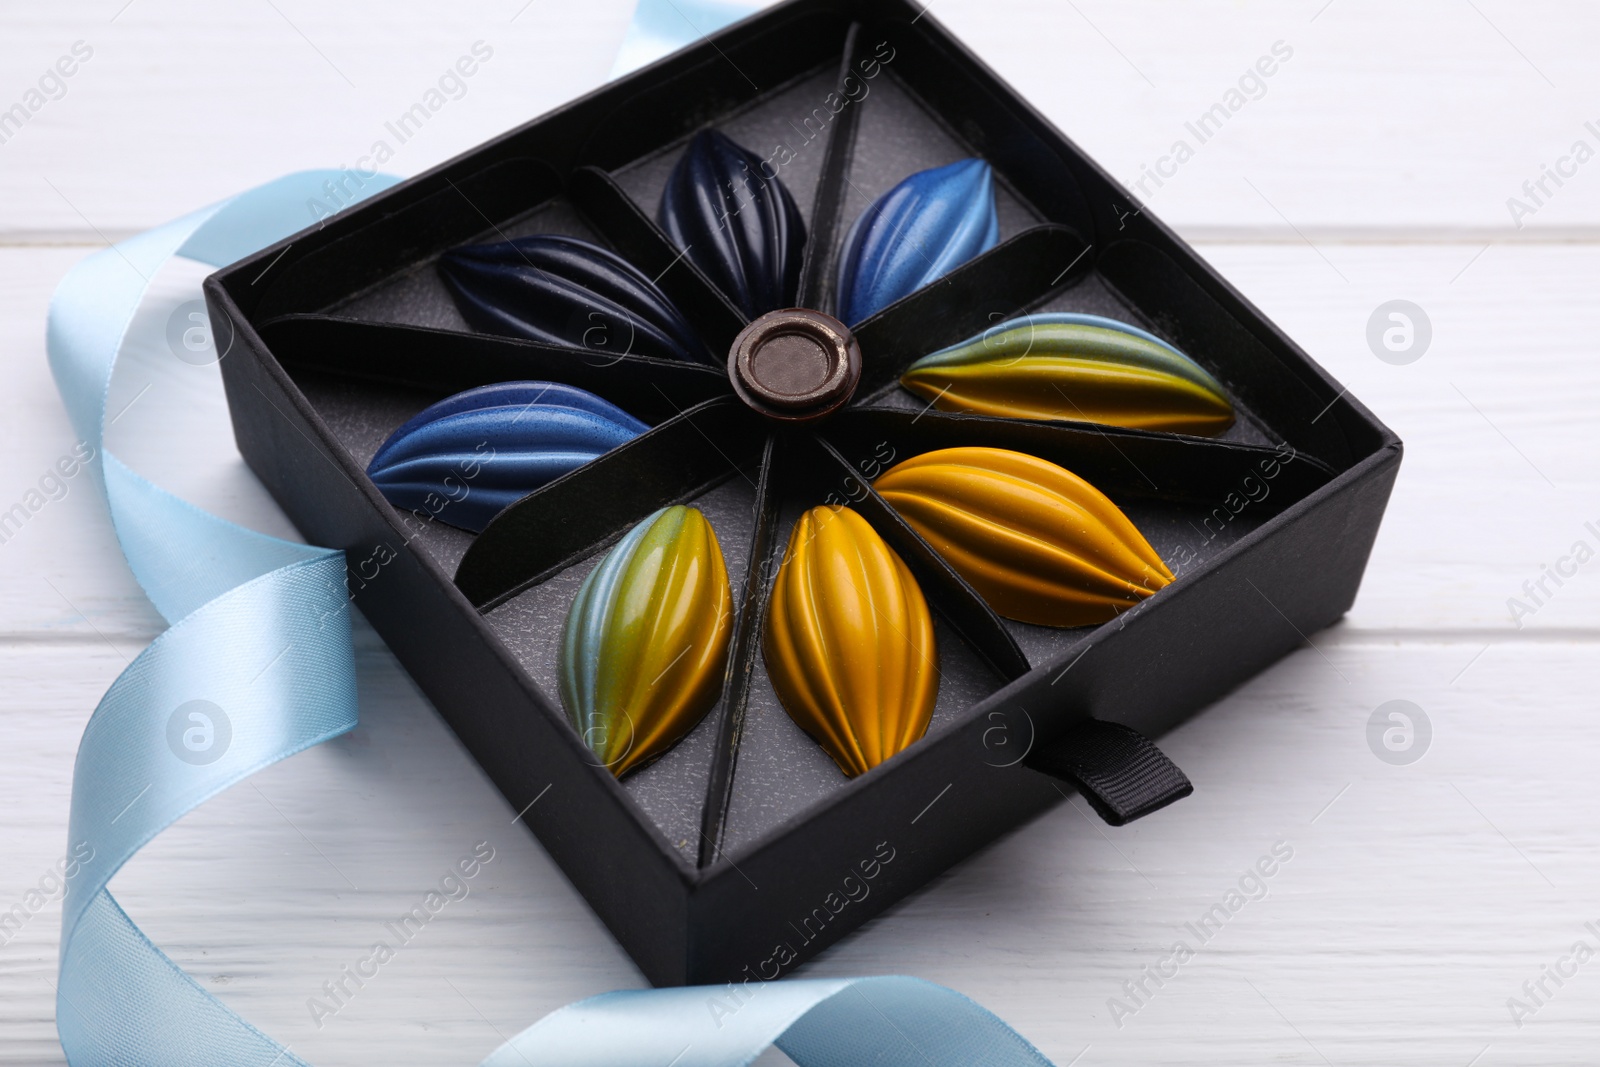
x=1040, y=544
x=849, y=641
x=646, y=640
x=1076, y=367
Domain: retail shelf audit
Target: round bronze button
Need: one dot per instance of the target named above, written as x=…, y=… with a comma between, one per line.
x=795, y=365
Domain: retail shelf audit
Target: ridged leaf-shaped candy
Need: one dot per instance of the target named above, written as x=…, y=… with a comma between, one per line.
x=1079, y=367
x=563, y=291
x=737, y=225
x=849, y=642
x=1037, y=542
x=919, y=231
x=467, y=457
x=646, y=640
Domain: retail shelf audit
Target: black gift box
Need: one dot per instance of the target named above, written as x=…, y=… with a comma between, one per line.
x=744, y=850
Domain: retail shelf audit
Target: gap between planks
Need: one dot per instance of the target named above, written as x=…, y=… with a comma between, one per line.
x=1200, y=234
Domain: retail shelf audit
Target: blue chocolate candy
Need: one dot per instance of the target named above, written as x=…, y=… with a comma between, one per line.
x=567, y=292
x=466, y=458
x=919, y=231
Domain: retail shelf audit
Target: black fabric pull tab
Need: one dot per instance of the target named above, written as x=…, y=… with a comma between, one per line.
x=1118, y=770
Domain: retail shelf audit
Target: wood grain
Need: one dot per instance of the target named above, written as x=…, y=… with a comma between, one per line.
x=1415, y=119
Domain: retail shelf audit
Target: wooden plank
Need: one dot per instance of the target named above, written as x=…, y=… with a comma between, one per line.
x=1407, y=120
x=1418, y=119
x=1497, y=416
x=195, y=102
x=1418, y=898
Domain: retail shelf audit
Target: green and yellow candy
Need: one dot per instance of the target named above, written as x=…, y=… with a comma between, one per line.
x=646, y=640
x=1081, y=368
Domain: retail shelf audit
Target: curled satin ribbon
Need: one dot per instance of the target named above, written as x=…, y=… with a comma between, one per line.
x=257, y=627
x=235, y=599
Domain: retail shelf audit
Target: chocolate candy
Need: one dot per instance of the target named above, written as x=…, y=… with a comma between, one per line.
x=1077, y=367
x=1037, y=542
x=849, y=641
x=739, y=226
x=919, y=231
x=646, y=640
x=467, y=457
x=563, y=291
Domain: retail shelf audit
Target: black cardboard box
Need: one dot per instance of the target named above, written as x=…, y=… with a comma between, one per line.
x=744, y=851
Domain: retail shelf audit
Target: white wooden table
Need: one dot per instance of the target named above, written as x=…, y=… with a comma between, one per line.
x=1377, y=165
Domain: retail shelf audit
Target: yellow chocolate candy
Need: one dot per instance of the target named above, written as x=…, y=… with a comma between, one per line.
x=1040, y=544
x=849, y=642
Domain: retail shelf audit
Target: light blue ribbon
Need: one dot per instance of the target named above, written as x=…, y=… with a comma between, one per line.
x=663, y=26
x=259, y=635
x=819, y=1022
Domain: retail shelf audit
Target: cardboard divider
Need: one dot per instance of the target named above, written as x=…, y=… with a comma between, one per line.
x=448, y=362
x=986, y=289
x=967, y=612
x=816, y=276
x=766, y=549
x=570, y=518
x=1118, y=462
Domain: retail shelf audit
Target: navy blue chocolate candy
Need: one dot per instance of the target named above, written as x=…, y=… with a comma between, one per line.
x=739, y=226
x=567, y=292
x=466, y=458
